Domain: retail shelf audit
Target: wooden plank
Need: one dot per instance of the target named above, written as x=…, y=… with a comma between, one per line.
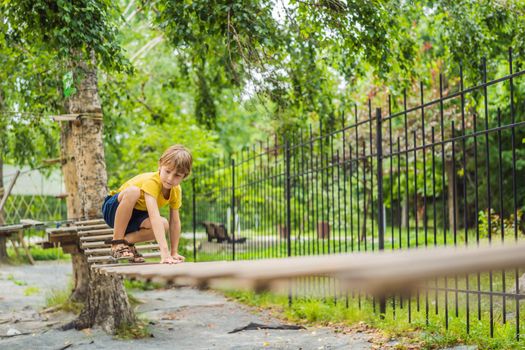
x=91, y=245
x=76, y=116
x=89, y=222
x=32, y=222
x=62, y=236
x=11, y=228
x=375, y=272
x=71, y=229
x=52, y=161
x=96, y=232
x=107, y=250
x=95, y=238
x=93, y=227
x=99, y=259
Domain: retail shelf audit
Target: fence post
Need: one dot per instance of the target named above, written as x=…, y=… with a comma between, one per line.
x=380, y=213
x=288, y=198
x=233, y=209
x=288, y=209
x=194, y=219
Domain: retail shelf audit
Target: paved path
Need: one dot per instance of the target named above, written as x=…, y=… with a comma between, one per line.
x=181, y=318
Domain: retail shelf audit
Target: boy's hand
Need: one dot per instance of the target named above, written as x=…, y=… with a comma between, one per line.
x=169, y=260
x=178, y=257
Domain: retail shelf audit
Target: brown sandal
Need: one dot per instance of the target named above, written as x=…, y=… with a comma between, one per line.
x=137, y=257
x=121, y=252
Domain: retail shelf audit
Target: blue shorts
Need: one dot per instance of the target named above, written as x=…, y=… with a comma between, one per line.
x=109, y=209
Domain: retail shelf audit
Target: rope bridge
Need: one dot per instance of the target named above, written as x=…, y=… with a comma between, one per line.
x=379, y=273
x=374, y=272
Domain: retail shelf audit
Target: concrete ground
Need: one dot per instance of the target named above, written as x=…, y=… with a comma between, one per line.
x=181, y=318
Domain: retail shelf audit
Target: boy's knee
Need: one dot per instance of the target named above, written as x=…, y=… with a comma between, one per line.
x=131, y=193
x=166, y=224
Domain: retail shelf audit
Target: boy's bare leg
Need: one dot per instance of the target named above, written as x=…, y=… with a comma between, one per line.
x=143, y=235
x=146, y=232
x=127, y=200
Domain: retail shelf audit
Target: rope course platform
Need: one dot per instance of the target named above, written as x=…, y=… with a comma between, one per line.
x=90, y=237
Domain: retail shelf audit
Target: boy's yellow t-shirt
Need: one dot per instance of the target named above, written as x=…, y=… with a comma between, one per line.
x=150, y=183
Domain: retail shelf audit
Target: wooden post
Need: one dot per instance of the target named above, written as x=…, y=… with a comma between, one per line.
x=7, y=192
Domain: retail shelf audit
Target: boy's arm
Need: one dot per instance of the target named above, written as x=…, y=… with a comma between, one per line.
x=158, y=228
x=175, y=229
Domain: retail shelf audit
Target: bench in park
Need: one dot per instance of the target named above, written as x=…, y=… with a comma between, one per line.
x=219, y=232
x=15, y=234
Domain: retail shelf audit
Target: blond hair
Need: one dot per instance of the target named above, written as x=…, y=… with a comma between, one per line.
x=177, y=157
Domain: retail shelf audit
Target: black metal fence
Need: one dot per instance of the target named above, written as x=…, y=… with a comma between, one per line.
x=449, y=170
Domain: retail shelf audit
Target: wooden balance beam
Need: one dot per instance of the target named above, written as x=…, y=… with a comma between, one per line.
x=378, y=273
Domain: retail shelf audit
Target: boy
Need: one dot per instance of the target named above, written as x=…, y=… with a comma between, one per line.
x=133, y=211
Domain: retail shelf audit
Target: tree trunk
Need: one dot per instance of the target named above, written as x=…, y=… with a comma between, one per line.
x=87, y=145
x=105, y=300
x=451, y=200
x=107, y=305
x=80, y=277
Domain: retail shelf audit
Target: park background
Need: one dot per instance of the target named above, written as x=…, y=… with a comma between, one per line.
x=271, y=83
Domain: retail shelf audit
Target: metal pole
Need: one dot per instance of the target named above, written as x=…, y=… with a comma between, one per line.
x=288, y=200
x=380, y=216
x=194, y=220
x=233, y=209
x=288, y=209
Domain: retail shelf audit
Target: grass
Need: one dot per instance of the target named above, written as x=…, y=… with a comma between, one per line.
x=395, y=238
x=11, y=278
x=32, y=290
x=309, y=244
x=138, y=330
x=415, y=334
x=60, y=299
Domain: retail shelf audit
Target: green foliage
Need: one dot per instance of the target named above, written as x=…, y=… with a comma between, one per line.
x=11, y=278
x=72, y=30
x=496, y=226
